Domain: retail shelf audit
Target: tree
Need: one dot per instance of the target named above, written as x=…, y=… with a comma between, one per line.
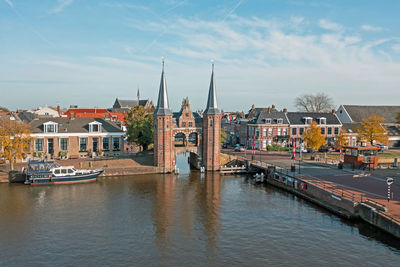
x=371, y=130
x=319, y=102
x=223, y=136
x=14, y=139
x=313, y=137
x=140, y=127
x=341, y=139
x=398, y=117
x=4, y=109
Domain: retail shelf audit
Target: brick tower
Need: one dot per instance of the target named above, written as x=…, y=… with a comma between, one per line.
x=211, y=130
x=164, y=157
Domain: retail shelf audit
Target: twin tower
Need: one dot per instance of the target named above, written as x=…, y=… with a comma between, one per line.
x=165, y=127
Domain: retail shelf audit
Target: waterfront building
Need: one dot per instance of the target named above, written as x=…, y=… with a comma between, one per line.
x=267, y=127
x=299, y=122
x=74, y=138
x=351, y=116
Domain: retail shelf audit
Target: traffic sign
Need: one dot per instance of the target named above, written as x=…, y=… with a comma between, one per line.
x=389, y=181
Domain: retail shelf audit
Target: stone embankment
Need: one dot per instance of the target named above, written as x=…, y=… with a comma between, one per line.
x=349, y=204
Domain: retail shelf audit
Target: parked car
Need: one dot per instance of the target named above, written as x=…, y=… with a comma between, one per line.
x=239, y=148
x=225, y=145
x=383, y=147
x=326, y=149
x=299, y=149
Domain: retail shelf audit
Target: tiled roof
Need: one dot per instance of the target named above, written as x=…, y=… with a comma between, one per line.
x=274, y=115
x=78, y=125
x=298, y=117
x=350, y=127
x=357, y=113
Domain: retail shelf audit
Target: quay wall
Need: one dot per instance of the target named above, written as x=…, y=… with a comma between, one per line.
x=335, y=203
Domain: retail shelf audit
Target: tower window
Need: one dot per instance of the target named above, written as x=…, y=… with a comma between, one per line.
x=211, y=123
x=167, y=124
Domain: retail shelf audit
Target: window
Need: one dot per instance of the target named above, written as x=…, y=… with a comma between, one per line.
x=211, y=123
x=257, y=133
x=63, y=171
x=264, y=144
x=284, y=131
x=57, y=171
x=190, y=124
x=279, y=131
x=106, y=144
x=268, y=121
x=322, y=120
x=264, y=132
x=294, y=131
x=39, y=145
x=167, y=124
x=183, y=124
x=270, y=132
x=322, y=130
x=329, y=130
x=83, y=144
x=279, y=121
x=115, y=143
x=307, y=120
x=50, y=128
x=64, y=144
x=70, y=171
x=301, y=131
x=336, y=130
x=95, y=127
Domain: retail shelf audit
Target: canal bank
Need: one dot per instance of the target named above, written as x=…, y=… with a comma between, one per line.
x=349, y=204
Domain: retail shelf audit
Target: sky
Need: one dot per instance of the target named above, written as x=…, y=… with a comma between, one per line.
x=89, y=52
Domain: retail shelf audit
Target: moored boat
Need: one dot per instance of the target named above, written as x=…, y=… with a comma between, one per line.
x=50, y=172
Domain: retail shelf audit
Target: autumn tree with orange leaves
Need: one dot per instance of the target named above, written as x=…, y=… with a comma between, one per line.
x=341, y=139
x=313, y=137
x=371, y=130
x=14, y=139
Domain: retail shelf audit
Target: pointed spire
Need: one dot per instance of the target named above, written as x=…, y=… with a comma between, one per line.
x=212, y=106
x=163, y=104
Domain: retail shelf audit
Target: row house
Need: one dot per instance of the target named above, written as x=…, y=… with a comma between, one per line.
x=269, y=126
x=75, y=137
x=328, y=122
x=352, y=115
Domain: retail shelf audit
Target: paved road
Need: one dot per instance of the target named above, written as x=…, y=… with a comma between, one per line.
x=372, y=183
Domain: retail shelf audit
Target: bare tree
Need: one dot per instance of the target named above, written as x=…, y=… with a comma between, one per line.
x=318, y=102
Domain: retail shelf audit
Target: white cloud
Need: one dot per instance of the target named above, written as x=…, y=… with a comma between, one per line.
x=9, y=3
x=61, y=5
x=329, y=25
x=370, y=28
x=396, y=48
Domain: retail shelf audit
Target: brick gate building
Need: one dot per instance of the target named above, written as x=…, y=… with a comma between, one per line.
x=167, y=125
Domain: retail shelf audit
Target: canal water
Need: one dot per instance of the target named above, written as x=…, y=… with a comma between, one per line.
x=191, y=219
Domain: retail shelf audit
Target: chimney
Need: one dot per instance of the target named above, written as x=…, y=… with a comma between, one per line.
x=333, y=111
x=253, y=106
x=72, y=115
x=273, y=107
x=285, y=110
x=269, y=110
x=59, y=110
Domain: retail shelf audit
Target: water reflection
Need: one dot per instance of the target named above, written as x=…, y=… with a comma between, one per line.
x=200, y=201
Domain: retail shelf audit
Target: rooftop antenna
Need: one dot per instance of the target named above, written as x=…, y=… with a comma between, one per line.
x=162, y=60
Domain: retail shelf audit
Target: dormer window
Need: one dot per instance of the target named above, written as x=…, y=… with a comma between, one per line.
x=279, y=121
x=307, y=120
x=267, y=121
x=95, y=127
x=322, y=120
x=50, y=127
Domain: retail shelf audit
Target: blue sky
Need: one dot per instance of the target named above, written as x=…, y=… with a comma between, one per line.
x=265, y=51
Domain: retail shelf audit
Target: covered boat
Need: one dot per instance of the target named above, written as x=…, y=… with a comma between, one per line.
x=50, y=172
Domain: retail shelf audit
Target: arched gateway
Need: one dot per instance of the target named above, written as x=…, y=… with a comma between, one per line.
x=186, y=128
